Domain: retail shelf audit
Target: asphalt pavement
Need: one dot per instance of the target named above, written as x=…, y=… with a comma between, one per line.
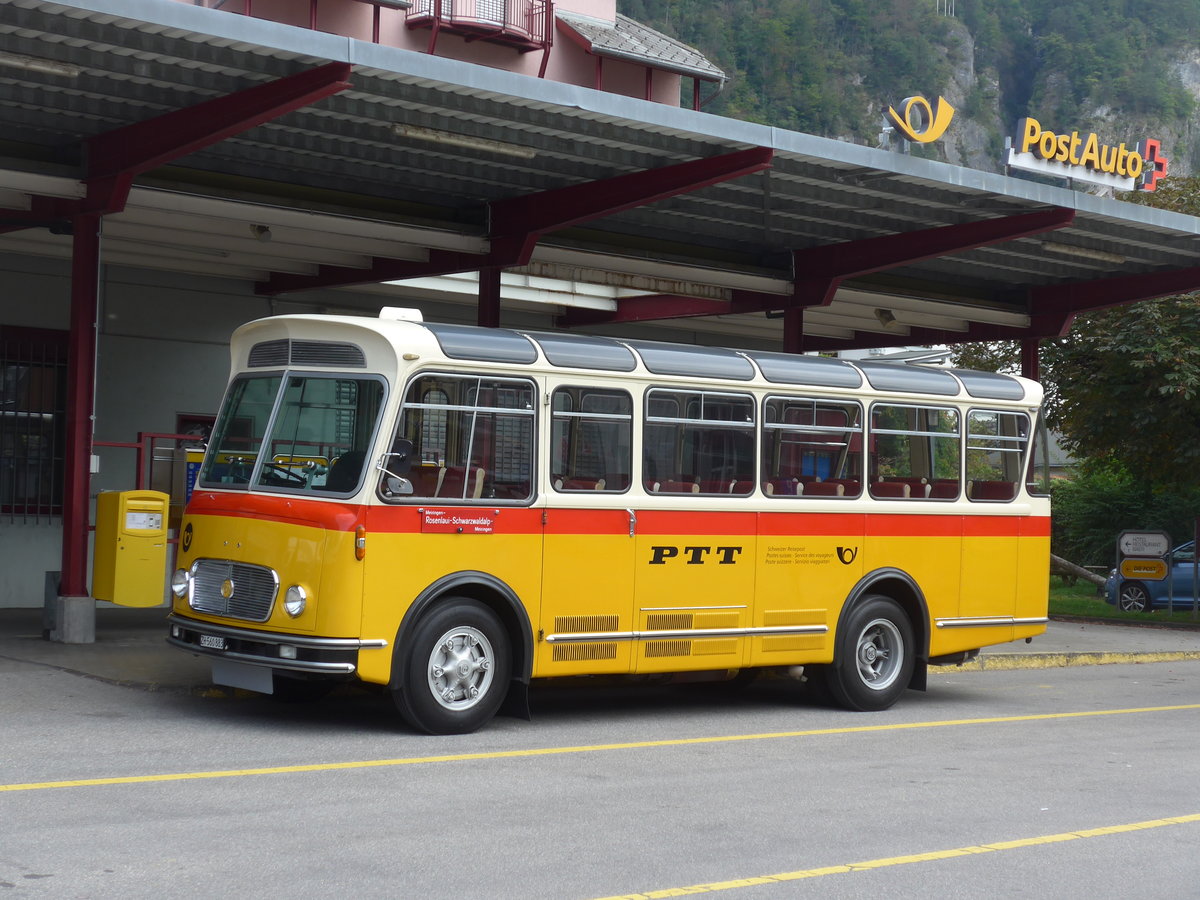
x=131, y=649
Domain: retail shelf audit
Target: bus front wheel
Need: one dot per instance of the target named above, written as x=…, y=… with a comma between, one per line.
x=456, y=669
x=873, y=660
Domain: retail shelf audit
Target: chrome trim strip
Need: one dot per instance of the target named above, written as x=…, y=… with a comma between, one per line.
x=325, y=668
x=674, y=634
x=989, y=622
x=274, y=637
x=685, y=608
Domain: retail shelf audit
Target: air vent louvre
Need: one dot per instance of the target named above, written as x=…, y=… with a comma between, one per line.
x=584, y=624
x=269, y=353
x=328, y=353
x=656, y=649
x=580, y=652
x=283, y=352
x=668, y=621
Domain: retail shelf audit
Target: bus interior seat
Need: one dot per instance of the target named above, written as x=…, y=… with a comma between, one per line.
x=427, y=480
x=944, y=489
x=675, y=486
x=825, y=489
x=917, y=486
x=457, y=478
x=851, y=487
x=991, y=490
x=782, y=487
x=892, y=490
x=578, y=484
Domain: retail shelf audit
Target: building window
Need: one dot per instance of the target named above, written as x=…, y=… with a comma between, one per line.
x=33, y=403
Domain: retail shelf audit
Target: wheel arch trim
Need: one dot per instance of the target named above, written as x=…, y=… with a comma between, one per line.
x=483, y=588
x=899, y=586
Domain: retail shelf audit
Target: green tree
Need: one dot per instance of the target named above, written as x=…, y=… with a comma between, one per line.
x=1123, y=387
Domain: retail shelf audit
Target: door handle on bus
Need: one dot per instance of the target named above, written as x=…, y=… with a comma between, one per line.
x=632, y=521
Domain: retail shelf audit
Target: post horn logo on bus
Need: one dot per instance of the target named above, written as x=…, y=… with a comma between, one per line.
x=921, y=121
x=1084, y=158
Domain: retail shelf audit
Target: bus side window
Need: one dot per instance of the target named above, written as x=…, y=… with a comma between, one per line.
x=914, y=449
x=591, y=440
x=811, y=447
x=698, y=442
x=472, y=437
x=996, y=444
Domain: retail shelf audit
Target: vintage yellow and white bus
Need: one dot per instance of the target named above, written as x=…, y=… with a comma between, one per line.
x=452, y=511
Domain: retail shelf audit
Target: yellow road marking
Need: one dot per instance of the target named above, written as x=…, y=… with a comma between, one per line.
x=592, y=748
x=933, y=856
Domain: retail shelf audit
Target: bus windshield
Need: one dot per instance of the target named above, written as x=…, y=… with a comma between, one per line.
x=308, y=433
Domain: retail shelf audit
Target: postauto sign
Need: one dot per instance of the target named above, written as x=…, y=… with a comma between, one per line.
x=1084, y=157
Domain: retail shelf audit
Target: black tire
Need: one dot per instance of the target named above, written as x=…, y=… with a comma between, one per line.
x=1133, y=597
x=442, y=699
x=874, y=656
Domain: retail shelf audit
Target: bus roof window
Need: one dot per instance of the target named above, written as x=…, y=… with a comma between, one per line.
x=484, y=344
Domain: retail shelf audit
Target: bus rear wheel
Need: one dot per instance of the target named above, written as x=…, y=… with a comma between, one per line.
x=874, y=658
x=456, y=670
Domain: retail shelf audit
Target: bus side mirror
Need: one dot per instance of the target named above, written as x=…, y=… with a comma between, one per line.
x=399, y=461
x=394, y=466
x=395, y=486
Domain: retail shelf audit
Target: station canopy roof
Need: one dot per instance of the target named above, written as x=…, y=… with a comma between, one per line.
x=217, y=144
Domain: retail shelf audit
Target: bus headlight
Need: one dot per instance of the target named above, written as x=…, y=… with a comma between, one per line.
x=179, y=583
x=295, y=600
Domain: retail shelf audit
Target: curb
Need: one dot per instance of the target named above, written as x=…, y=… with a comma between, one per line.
x=998, y=661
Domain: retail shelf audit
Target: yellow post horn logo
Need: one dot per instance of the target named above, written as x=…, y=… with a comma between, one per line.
x=931, y=123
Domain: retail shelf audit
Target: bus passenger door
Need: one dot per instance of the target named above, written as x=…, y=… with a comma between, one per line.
x=587, y=592
x=990, y=565
x=695, y=589
x=586, y=621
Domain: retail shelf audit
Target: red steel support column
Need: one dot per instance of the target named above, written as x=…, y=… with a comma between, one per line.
x=81, y=386
x=793, y=329
x=1030, y=358
x=489, y=298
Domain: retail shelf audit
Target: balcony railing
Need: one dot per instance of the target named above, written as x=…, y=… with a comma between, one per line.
x=523, y=24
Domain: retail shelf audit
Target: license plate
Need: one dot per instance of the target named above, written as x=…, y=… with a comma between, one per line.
x=212, y=642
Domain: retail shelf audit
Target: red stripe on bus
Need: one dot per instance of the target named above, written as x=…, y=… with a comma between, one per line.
x=587, y=521
x=334, y=516
x=781, y=524
x=529, y=520
x=655, y=521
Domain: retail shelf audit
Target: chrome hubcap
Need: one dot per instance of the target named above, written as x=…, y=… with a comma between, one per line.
x=880, y=654
x=460, y=668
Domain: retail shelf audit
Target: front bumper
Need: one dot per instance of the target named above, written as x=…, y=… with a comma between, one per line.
x=291, y=652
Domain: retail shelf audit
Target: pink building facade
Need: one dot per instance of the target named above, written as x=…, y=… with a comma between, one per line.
x=582, y=42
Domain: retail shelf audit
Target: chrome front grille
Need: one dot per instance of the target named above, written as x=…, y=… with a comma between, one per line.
x=221, y=587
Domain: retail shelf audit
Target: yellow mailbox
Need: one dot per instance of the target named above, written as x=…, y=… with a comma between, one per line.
x=130, y=560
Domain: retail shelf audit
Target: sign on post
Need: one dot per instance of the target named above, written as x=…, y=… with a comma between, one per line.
x=1144, y=544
